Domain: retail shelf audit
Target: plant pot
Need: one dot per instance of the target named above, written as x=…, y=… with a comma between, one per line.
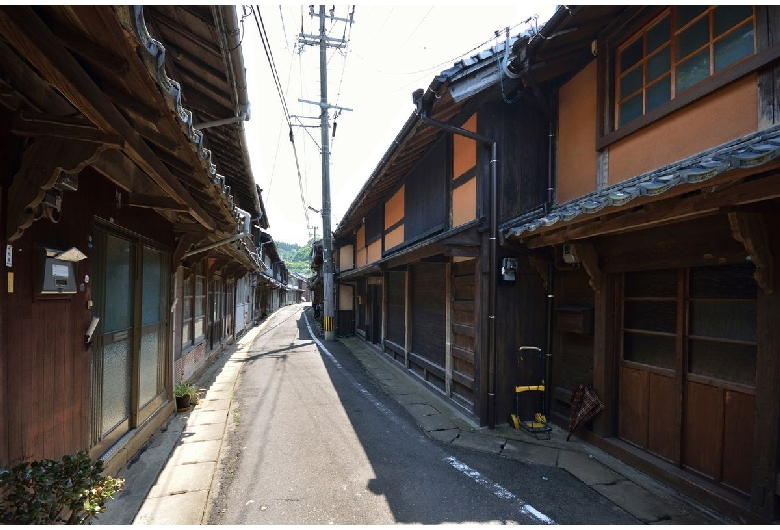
x=182, y=403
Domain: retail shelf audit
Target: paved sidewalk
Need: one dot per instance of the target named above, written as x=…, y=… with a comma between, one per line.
x=169, y=482
x=643, y=497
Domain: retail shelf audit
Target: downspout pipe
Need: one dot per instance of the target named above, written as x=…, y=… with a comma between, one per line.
x=214, y=245
x=492, y=358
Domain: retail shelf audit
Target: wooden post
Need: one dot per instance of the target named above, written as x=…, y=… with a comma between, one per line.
x=408, y=315
x=604, y=338
x=763, y=498
x=448, y=330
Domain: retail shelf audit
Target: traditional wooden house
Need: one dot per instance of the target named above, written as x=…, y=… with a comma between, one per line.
x=271, y=280
x=659, y=230
x=637, y=153
x=416, y=253
x=127, y=199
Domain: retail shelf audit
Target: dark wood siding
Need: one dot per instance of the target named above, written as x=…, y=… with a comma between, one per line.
x=522, y=321
x=425, y=198
x=47, y=366
x=396, y=307
x=522, y=171
x=374, y=225
x=572, y=351
x=463, y=330
x=428, y=321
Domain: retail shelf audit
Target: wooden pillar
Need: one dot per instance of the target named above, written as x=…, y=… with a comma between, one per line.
x=385, y=307
x=448, y=330
x=408, y=315
x=604, y=338
x=764, y=494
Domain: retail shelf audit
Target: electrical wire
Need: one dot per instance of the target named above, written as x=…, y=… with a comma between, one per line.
x=285, y=109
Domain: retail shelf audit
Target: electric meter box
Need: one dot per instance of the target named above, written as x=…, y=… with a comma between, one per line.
x=55, y=276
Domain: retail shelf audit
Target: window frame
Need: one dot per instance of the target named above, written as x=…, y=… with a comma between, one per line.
x=684, y=298
x=607, y=75
x=189, y=319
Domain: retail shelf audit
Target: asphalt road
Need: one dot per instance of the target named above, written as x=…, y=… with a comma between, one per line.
x=313, y=440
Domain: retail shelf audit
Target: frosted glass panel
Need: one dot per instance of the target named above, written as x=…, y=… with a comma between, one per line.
x=150, y=365
x=150, y=361
x=116, y=384
x=119, y=294
x=151, y=290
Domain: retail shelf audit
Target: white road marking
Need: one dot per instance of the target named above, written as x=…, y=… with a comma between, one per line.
x=496, y=489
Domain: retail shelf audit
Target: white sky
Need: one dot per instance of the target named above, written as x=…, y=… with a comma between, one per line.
x=392, y=51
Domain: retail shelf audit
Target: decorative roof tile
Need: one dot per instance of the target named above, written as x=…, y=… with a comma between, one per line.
x=747, y=152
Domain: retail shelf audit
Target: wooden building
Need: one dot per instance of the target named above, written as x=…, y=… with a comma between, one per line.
x=127, y=202
x=637, y=156
x=414, y=253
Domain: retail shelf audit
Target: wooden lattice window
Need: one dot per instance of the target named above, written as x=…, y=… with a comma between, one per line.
x=194, y=306
x=705, y=315
x=682, y=47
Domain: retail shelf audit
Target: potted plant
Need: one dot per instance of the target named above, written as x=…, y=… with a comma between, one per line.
x=183, y=392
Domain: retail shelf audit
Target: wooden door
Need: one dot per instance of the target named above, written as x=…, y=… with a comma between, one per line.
x=687, y=374
x=129, y=356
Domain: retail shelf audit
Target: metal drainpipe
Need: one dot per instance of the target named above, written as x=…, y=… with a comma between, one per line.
x=492, y=361
x=550, y=273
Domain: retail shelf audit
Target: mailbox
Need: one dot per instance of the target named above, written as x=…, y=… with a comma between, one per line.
x=57, y=271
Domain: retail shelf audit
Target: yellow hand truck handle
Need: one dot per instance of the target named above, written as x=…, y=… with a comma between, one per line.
x=526, y=388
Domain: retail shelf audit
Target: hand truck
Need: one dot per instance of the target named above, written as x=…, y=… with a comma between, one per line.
x=538, y=425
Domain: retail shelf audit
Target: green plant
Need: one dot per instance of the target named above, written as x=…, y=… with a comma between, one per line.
x=183, y=388
x=70, y=490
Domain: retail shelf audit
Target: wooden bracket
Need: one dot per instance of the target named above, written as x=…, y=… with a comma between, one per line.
x=750, y=230
x=186, y=240
x=540, y=266
x=42, y=163
x=586, y=254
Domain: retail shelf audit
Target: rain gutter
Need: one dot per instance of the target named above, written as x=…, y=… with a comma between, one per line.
x=215, y=245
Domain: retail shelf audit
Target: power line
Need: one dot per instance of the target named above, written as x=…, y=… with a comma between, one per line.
x=275, y=74
x=416, y=27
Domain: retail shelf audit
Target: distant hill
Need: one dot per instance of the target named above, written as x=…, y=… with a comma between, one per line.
x=296, y=257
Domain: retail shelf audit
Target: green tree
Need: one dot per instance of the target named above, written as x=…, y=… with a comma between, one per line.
x=296, y=257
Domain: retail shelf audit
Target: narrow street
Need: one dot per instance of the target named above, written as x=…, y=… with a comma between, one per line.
x=313, y=440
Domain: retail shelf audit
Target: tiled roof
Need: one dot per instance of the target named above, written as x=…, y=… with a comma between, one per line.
x=747, y=152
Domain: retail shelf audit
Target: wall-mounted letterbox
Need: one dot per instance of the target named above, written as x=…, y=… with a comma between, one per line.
x=575, y=319
x=55, y=274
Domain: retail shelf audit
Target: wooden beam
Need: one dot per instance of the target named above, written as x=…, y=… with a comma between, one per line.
x=26, y=31
x=42, y=164
x=131, y=104
x=120, y=170
x=28, y=85
x=160, y=140
x=189, y=227
x=200, y=42
x=92, y=51
x=157, y=202
x=184, y=244
x=462, y=251
x=34, y=124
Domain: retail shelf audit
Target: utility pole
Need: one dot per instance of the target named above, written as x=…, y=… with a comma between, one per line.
x=327, y=244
